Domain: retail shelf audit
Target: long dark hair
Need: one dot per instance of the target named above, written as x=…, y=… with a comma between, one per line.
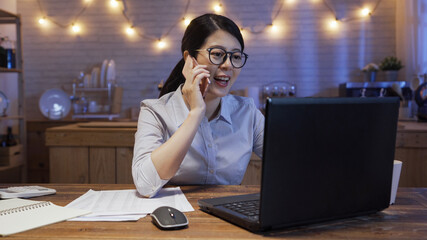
x=194, y=37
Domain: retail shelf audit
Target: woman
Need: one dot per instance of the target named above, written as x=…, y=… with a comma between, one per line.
x=185, y=137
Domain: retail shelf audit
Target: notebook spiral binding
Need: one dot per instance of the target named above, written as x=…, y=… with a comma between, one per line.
x=24, y=208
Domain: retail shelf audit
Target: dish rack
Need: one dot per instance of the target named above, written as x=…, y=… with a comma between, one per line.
x=96, y=103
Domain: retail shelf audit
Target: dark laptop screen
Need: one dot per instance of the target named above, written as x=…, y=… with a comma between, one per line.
x=326, y=158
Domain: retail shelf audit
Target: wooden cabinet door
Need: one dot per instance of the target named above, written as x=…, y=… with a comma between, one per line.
x=102, y=165
x=69, y=164
x=124, y=164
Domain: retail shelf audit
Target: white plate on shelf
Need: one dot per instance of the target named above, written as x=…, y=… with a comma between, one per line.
x=95, y=77
x=4, y=104
x=54, y=104
x=111, y=71
x=87, y=80
x=102, y=78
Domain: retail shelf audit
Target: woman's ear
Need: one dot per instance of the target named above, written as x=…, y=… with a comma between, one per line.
x=186, y=53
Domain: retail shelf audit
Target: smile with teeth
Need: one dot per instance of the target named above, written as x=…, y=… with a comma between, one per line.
x=222, y=80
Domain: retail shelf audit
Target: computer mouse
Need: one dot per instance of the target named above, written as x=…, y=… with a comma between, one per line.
x=168, y=218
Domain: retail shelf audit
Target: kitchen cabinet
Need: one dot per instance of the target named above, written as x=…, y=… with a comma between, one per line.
x=101, y=152
x=37, y=151
x=14, y=170
x=411, y=149
x=93, y=152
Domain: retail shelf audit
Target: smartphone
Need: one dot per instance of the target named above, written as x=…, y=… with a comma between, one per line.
x=204, y=83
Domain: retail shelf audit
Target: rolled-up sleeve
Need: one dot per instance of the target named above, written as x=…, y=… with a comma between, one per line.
x=258, y=133
x=148, y=137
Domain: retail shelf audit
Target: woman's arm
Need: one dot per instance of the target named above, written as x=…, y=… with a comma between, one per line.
x=169, y=156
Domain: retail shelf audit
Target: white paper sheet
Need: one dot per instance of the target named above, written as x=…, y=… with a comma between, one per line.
x=127, y=205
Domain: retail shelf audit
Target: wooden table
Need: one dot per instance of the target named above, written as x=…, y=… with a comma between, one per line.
x=407, y=219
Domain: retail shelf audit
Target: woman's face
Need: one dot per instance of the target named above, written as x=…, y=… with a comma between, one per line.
x=222, y=76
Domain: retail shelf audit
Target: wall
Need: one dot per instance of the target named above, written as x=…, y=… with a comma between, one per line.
x=305, y=50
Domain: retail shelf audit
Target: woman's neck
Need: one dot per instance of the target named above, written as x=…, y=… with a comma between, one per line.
x=212, y=107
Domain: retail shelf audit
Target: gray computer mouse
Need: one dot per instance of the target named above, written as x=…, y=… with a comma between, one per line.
x=169, y=218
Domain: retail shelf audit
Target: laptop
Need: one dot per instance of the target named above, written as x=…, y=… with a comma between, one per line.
x=323, y=159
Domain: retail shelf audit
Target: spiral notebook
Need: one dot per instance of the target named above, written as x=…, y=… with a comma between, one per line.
x=18, y=215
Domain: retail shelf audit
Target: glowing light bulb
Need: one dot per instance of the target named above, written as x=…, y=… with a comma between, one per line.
x=365, y=12
x=290, y=1
x=88, y=1
x=130, y=31
x=161, y=44
x=75, y=28
x=42, y=21
x=274, y=28
x=186, y=21
x=218, y=8
x=333, y=24
x=114, y=3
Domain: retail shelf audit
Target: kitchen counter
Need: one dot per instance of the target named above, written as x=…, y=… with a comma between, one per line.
x=101, y=152
x=92, y=152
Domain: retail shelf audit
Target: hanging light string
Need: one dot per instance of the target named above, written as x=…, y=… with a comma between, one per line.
x=368, y=12
x=145, y=36
x=45, y=16
x=251, y=28
x=330, y=9
x=132, y=26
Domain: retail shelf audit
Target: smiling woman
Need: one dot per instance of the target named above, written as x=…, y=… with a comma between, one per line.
x=194, y=134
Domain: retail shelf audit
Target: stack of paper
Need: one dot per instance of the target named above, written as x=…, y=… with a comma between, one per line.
x=127, y=205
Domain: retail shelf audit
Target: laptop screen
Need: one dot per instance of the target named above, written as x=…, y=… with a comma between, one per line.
x=326, y=158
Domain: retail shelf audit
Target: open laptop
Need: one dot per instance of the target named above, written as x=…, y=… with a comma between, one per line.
x=323, y=159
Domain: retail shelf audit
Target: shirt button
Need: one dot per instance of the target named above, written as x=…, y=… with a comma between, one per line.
x=209, y=145
x=211, y=171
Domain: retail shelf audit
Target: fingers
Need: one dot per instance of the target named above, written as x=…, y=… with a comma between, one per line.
x=192, y=69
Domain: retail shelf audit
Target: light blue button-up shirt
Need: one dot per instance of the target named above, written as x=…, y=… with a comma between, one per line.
x=219, y=153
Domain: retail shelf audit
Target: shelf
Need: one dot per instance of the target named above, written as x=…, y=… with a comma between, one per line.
x=95, y=116
x=3, y=168
x=92, y=89
x=15, y=19
x=11, y=70
x=11, y=117
x=12, y=156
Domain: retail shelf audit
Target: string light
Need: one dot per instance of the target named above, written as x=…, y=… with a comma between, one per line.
x=274, y=28
x=130, y=31
x=218, y=8
x=365, y=12
x=114, y=3
x=43, y=21
x=186, y=21
x=76, y=28
x=333, y=24
x=161, y=44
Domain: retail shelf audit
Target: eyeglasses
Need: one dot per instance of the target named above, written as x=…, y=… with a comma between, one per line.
x=218, y=56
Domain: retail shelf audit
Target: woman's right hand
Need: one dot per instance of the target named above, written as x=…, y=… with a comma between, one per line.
x=193, y=74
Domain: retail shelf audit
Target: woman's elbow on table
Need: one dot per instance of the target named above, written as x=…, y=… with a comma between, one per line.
x=145, y=177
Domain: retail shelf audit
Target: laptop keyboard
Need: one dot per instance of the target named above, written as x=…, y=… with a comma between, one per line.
x=247, y=208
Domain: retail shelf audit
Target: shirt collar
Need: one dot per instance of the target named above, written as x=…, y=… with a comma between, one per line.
x=224, y=112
